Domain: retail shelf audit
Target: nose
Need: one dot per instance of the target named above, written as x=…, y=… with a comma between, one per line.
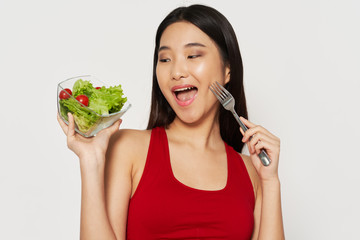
x=179, y=70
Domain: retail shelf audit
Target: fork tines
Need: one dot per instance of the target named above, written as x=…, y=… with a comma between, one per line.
x=219, y=91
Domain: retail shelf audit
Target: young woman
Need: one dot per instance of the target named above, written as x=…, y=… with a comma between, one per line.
x=184, y=177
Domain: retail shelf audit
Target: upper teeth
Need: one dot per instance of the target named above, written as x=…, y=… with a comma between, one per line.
x=183, y=89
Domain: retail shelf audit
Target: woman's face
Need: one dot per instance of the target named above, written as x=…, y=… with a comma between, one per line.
x=188, y=62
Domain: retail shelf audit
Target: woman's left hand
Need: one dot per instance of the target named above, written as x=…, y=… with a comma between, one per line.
x=262, y=139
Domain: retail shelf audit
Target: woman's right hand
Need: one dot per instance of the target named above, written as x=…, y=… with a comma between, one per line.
x=88, y=148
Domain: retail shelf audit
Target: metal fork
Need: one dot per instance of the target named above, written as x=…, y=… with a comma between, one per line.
x=228, y=102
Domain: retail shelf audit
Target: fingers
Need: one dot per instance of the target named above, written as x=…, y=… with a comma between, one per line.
x=261, y=137
x=247, y=122
x=261, y=145
x=111, y=129
x=254, y=130
x=115, y=127
x=258, y=138
x=71, y=127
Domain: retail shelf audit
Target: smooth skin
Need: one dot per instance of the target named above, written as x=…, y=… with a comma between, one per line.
x=112, y=163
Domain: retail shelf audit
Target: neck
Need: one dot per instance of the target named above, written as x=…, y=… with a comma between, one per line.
x=200, y=136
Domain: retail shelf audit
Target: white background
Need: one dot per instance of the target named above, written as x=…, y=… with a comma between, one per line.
x=301, y=63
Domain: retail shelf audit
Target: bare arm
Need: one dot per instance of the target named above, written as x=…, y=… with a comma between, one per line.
x=271, y=223
x=267, y=213
x=118, y=179
x=95, y=222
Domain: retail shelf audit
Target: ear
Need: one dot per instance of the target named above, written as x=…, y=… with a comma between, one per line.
x=227, y=74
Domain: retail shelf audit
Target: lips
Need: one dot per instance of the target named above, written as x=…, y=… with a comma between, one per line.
x=184, y=94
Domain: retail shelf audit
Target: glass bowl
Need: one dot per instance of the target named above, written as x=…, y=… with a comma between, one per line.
x=95, y=122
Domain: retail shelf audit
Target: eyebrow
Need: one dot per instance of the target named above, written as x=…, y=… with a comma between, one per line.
x=195, y=44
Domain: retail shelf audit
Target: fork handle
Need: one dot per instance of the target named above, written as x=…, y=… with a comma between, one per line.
x=243, y=127
x=264, y=158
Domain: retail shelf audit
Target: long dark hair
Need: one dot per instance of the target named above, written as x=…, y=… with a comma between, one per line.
x=218, y=28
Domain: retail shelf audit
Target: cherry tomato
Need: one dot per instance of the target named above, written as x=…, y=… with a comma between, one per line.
x=98, y=87
x=83, y=99
x=65, y=94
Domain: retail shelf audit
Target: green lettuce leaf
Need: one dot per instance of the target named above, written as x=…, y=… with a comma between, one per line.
x=107, y=100
x=82, y=87
x=84, y=117
x=102, y=101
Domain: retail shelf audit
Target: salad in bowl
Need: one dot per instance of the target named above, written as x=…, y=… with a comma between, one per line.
x=93, y=104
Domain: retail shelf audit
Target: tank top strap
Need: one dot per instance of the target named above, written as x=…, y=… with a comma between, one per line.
x=155, y=166
x=157, y=146
x=238, y=174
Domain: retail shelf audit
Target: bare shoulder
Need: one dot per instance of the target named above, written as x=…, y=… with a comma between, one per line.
x=126, y=148
x=127, y=151
x=129, y=136
x=252, y=172
x=129, y=143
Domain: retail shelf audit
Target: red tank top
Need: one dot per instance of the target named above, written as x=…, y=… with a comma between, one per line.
x=164, y=208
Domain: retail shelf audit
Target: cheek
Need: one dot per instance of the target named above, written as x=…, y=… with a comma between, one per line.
x=162, y=81
x=160, y=78
x=207, y=71
x=199, y=69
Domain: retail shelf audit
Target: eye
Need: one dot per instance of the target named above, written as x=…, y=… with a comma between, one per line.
x=164, y=60
x=193, y=56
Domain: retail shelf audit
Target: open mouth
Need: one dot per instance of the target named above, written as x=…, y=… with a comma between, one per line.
x=185, y=95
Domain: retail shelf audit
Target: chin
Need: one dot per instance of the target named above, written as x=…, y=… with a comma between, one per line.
x=189, y=118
